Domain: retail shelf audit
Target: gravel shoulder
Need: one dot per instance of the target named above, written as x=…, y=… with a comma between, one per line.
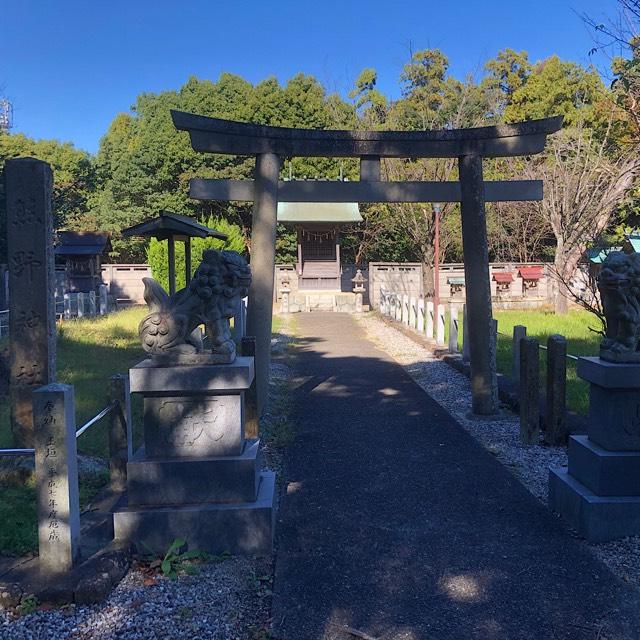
x=530, y=464
x=227, y=600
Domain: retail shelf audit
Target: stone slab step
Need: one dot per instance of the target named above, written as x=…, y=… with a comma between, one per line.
x=239, y=528
x=157, y=482
x=596, y=518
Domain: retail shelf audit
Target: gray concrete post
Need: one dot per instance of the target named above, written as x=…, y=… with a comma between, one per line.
x=32, y=320
x=519, y=332
x=263, y=252
x=56, y=478
x=398, y=307
x=80, y=295
x=484, y=381
x=529, y=391
x=120, y=431
x=252, y=423
x=440, y=325
x=465, y=335
x=556, y=409
x=420, y=326
x=453, y=329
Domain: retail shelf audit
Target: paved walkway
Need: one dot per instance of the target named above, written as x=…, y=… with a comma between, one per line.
x=399, y=525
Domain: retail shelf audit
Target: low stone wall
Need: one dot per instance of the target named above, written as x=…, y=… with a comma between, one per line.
x=125, y=281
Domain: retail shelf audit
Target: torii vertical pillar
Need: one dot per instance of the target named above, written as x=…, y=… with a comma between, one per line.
x=482, y=344
x=263, y=260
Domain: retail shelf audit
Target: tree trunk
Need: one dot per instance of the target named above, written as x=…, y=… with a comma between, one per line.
x=565, y=264
x=428, y=282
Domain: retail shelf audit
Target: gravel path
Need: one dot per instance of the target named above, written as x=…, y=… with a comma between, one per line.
x=230, y=600
x=224, y=601
x=530, y=464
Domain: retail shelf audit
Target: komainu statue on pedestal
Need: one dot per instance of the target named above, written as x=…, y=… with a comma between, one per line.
x=170, y=331
x=619, y=286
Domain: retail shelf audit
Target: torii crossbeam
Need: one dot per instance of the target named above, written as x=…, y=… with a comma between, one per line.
x=470, y=146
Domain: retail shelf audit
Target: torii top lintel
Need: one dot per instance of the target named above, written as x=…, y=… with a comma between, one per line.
x=226, y=136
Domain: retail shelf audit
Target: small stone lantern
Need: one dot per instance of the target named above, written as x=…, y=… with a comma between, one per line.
x=358, y=289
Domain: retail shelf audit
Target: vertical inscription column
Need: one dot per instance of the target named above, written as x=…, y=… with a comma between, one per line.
x=263, y=261
x=482, y=348
x=32, y=326
x=56, y=477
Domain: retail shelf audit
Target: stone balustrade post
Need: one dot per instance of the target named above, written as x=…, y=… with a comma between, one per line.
x=556, y=411
x=412, y=312
x=453, y=329
x=465, y=336
x=252, y=428
x=440, y=325
x=420, y=325
x=56, y=469
x=120, y=431
x=429, y=319
x=104, y=303
x=529, y=391
x=519, y=332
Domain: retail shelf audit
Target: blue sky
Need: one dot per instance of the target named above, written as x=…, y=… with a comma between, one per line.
x=69, y=66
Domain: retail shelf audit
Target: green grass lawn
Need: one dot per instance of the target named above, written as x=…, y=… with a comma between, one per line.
x=90, y=350
x=575, y=327
x=542, y=323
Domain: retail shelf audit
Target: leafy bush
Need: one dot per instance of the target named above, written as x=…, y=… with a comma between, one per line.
x=158, y=251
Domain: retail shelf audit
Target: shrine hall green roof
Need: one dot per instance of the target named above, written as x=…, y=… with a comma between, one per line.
x=299, y=212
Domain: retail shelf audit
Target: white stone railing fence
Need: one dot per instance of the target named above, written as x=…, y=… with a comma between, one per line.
x=79, y=305
x=419, y=314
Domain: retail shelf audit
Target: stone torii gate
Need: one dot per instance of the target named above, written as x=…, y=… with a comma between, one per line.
x=470, y=146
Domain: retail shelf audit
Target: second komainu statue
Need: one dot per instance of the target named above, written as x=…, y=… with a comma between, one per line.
x=619, y=286
x=170, y=332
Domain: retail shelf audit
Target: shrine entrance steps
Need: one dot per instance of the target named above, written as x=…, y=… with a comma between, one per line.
x=396, y=523
x=334, y=301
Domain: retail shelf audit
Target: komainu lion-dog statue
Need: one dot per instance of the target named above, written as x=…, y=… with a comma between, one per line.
x=619, y=286
x=170, y=331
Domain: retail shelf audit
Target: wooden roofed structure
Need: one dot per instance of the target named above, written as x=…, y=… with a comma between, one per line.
x=171, y=227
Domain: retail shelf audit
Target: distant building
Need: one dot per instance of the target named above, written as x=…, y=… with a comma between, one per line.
x=318, y=227
x=79, y=260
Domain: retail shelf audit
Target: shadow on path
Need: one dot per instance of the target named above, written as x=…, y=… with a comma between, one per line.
x=398, y=524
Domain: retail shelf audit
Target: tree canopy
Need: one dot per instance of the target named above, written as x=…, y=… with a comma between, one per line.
x=144, y=165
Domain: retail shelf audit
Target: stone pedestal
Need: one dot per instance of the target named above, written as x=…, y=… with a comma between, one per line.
x=599, y=494
x=197, y=477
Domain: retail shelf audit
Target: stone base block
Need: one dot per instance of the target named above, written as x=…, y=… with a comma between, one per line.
x=596, y=518
x=614, y=403
x=192, y=480
x=606, y=473
x=246, y=528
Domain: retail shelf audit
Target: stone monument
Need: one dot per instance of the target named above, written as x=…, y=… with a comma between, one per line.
x=197, y=477
x=32, y=322
x=599, y=494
